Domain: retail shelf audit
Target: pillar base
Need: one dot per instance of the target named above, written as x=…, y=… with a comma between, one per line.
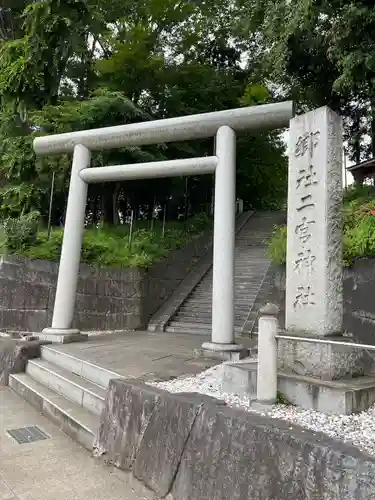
x=232, y=352
x=62, y=336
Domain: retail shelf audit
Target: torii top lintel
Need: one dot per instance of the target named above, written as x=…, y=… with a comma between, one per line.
x=200, y=126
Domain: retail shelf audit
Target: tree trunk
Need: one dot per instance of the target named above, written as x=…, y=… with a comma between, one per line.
x=356, y=138
x=107, y=208
x=96, y=211
x=372, y=127
x=116, y=220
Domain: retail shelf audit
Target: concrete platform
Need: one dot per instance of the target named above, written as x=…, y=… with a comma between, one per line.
x=145, y=355
x=344, y=396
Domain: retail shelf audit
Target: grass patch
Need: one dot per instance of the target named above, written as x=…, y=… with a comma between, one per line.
x=358, y=231
x=109, y=246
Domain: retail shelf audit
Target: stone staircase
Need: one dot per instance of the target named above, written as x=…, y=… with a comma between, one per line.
x=67, y=390
x=252, y=282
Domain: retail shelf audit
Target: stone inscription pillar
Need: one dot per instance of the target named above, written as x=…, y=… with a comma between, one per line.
x=314, y=303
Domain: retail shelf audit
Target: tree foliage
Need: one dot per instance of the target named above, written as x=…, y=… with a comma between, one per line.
x=321, y=52
x=67, y=65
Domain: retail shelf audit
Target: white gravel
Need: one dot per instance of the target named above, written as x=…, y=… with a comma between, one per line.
x=357, y=429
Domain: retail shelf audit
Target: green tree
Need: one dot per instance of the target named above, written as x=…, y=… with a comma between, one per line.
x=74, y=64
x=321, y=53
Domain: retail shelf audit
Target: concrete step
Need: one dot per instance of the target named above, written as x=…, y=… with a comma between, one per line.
x=244, y=288
x=85, y=369
x=197, y=322
x=77, y=389
x=204, y=327
x=244, y=251
x=190, y=308
x=250, y=266
x=240, y=294
x=207, y=308
x=75, y=421
x=203, y=305
x=258, y=246
x=192, y=318
x=251, y=261
x=198, y=325
x=243, y=278
x=247, y=259
x=251, y=284
x=206, y=322
x=204, y=316
x=240, y=300
x=250, y=278
x=202, y=301
x=190, y=325
x=183, y=329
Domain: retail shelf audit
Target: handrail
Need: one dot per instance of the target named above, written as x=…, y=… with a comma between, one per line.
x=328, y=342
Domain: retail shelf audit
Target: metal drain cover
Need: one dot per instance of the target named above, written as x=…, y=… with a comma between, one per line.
x=27, y=434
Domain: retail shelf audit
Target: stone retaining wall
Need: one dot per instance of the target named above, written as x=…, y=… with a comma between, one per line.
x=107, y=299
x=193, y=448
x=359, y=303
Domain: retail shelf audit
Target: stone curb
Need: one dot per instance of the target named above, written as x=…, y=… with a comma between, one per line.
x=192, y=447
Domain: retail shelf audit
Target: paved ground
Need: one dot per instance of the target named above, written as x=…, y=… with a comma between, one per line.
x=54, y=469
x=144, y=355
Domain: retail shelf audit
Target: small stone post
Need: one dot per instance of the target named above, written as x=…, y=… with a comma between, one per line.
x=267, y=354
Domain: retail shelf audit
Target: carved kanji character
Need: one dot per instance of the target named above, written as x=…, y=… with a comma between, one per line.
x=305, y=260
x=302, y=230
x=304, y=297
x=306, y=177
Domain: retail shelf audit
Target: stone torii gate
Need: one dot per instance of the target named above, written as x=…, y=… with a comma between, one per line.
x=223, y=124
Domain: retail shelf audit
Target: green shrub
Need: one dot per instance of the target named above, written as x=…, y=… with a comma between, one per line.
x=21, y=233
x=356, y=210
x=359, y=241
x=358, y=194
x=44, y=248
x=199, y=223
x=109, y=246
x=277, y=246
